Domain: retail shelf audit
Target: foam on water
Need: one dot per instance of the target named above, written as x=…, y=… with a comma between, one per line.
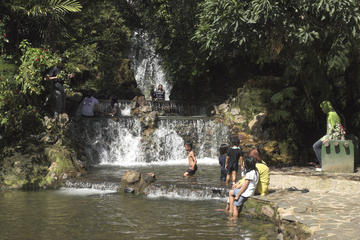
x=183, y=194
x=84, y=191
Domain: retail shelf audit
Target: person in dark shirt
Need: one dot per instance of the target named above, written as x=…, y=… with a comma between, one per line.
x=58, y=91
x=222, y=160
x=159, y=94
x=232, y=161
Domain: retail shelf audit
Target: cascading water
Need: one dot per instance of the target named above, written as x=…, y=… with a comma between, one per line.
x=147, y=65
x=110, y=142
x=120, y=142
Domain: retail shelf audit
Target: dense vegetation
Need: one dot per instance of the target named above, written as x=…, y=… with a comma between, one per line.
x=294, y=53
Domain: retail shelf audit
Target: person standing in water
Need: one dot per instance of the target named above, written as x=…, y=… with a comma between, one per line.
x=334, y=131
x=192, y=160
x=223, y=150
x=232, y=161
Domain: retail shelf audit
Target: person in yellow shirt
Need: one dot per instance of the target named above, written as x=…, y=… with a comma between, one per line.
x=263, y=169
x=264, y=178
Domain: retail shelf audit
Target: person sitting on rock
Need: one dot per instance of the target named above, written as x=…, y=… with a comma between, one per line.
x=242, y=191
x=222, y=159
x=89, y=105
x=192, y=160
x=232, y=161
x=114, y=107
x=263, y=169
x=335, y=131
x=159, y=94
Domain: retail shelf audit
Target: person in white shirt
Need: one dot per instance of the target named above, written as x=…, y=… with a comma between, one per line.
x=243, y=190
x=89, y=105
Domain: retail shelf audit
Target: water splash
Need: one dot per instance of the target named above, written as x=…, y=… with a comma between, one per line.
x=186, y=193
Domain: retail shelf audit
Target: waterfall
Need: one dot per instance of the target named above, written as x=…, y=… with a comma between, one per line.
x=109, y=142
x=119, y=141
x=147, y=65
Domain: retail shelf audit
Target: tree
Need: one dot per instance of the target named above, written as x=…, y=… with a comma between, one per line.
x=36, y=20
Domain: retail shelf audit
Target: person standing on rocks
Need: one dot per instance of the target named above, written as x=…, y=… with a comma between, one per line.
x=192, y=160
x=335, y=130
x=114, y=107
x=232, y=161
x=89, y=105
x=58, y=91
x=159, y=94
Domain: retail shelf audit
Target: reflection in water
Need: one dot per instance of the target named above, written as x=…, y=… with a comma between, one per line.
x=59, y=215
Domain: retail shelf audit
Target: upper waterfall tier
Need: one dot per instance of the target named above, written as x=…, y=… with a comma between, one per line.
x=146, y=64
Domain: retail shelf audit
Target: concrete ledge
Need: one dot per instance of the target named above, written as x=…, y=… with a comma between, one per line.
x=328, y=211
x=313, y=183
x=287, y=227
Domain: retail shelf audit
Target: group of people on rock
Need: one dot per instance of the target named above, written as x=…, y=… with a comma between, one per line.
x=89, y=105
x=254, y=172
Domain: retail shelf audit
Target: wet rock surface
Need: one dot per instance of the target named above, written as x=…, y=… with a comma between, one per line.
x=136, y=182
x=43, y=161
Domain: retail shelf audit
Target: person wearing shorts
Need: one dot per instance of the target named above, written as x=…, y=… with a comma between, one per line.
x=192, y=160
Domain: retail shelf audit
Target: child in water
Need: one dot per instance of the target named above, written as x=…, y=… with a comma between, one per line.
x=192, y=160
x=243, y=190
x=222, y=159
x=232, y=161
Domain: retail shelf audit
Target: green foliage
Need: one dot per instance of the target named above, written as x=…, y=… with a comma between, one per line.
x=21, y=91
x=97, y=44
x=54, y=8
x=34, y=63
x=282, y=28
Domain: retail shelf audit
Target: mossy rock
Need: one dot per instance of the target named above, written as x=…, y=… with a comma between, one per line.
x=61, y=165
x=24, y=170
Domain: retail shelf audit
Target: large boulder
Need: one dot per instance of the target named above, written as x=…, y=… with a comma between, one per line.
x=131, y=177
x=64, y=164
x=136, y=182
x=149, y=120
x=256, y=124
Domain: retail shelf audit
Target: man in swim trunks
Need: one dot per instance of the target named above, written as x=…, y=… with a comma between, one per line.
x=192, y=160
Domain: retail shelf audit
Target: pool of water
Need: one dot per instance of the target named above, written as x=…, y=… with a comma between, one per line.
x=102, y=213
x=95, y=214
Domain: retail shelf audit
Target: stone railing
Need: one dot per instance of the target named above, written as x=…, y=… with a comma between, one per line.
x=168, y=107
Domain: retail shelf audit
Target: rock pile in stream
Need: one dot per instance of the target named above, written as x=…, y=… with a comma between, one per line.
x=136, y=182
